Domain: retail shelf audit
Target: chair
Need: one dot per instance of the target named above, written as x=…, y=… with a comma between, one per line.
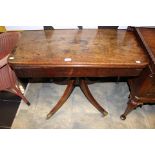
x=8, y=79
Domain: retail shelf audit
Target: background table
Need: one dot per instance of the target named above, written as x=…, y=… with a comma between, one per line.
x=143, y=87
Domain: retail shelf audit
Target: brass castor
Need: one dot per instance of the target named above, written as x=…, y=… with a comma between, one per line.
x=49, y=115
x=105, y=113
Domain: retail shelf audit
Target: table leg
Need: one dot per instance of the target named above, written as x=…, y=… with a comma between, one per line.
x=89, y=96
x=132, y=104
x=62, y=100
x=84, y=87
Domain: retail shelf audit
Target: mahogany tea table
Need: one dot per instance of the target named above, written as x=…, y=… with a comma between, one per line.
x=76, y=55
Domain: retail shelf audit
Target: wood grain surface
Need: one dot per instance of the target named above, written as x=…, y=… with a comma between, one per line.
x=147, y=36
x=101, y=48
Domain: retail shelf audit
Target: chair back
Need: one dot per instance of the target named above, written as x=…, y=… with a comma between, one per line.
x=8, y=41
x=6, y=79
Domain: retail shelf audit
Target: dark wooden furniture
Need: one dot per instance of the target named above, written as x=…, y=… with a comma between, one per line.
x=77, y=54
x=143, y=87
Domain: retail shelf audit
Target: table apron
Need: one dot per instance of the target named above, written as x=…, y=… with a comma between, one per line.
x=75, y=72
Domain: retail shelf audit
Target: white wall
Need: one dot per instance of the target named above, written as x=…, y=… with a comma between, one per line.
x=14, y=28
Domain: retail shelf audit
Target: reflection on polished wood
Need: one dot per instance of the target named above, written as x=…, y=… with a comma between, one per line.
x=108, y=48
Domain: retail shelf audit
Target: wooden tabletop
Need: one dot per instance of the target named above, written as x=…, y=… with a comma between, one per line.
x=147, y=36
x=109, y=48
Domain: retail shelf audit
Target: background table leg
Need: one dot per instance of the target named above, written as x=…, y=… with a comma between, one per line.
x=132, y=104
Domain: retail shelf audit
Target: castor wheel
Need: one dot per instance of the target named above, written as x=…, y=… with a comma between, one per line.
x=122, y=117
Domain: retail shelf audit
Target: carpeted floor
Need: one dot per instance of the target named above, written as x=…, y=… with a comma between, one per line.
x=77, y=112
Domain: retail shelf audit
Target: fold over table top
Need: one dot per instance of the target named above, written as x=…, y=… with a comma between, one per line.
x=104, y=48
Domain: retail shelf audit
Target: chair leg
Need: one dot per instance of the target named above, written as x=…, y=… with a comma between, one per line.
x=18, y=92
x=20, y=87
